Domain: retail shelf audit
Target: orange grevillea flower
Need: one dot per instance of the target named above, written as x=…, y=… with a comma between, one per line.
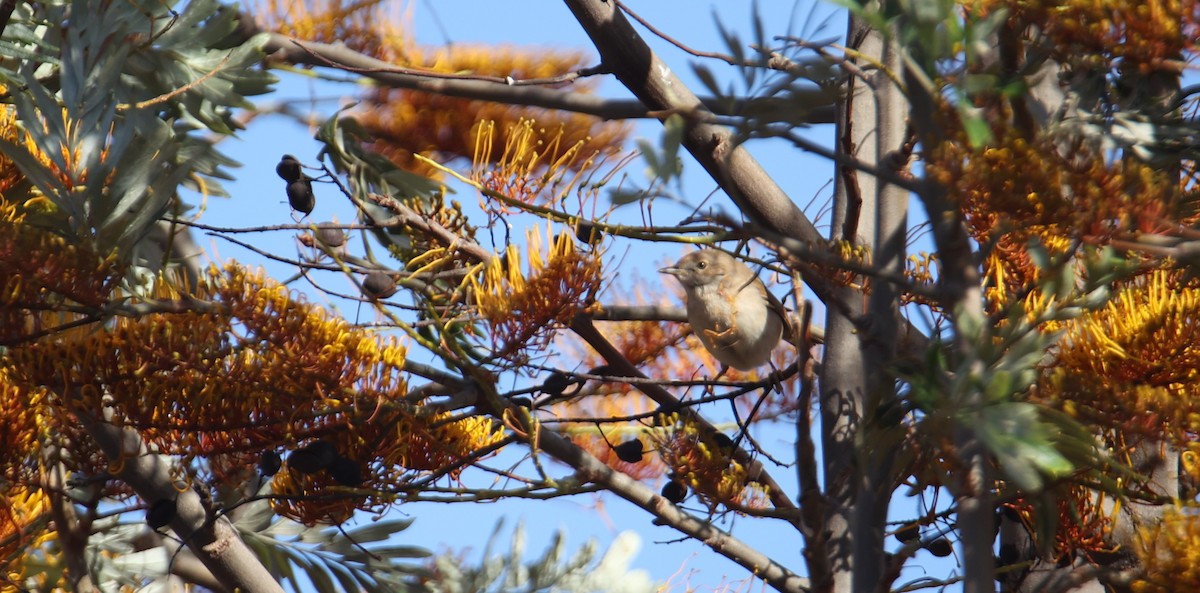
x=435, y=440
x=534, y=163
x=1169, y=553
x=41, y=272
x=706, y=466
x=24, y=522
x=1086, y=520
x=1136, y=361
x=240, y=367
x=364, y=26
x=44, y=276
x=313, y=499
x=10, y=175
x=1145, y=33
x=524, y=307
x=23, y=423
x=405, y=122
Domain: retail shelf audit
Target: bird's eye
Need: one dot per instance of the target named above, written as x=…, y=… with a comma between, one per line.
x=701, y=265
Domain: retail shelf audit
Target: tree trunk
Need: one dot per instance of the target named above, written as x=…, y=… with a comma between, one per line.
x=854, y=380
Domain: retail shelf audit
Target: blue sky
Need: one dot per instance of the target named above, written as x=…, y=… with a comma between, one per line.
x=258, y=199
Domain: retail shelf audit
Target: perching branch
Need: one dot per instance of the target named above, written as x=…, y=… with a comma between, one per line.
x=583, y=327
x=664, y=313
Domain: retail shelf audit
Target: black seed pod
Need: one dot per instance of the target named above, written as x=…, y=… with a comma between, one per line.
x=939, y=547
x=908, y=533
x=300, y=195
x=288, y=168
x=674, y=491
x=269, y=463
x=303, y=462
x=555, y=384
x=313, y=458
x=586, y=232
x=630, y=451
x=160, y=513
x=346, y=472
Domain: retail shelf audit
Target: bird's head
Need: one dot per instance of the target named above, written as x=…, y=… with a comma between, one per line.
x=700, y=268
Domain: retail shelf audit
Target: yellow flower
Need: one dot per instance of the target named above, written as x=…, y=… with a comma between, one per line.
x=1169, y=552
x=524, y=308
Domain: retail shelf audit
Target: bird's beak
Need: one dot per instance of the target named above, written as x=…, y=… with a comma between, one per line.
x=672, y=270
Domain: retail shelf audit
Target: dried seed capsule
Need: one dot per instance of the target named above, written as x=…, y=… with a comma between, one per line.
x=378, y=285
x=289, y=168
x=630, y=451
x=330, y=235
x=674, y=491
x=269, y=463
x=160, y=513
x=300, y=195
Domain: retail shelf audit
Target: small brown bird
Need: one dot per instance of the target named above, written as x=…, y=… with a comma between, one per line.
x=729, y=308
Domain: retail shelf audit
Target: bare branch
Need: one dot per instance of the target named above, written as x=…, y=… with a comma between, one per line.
x=715, y=147
x=286, y=49
x=592, y=470
x=583, y=327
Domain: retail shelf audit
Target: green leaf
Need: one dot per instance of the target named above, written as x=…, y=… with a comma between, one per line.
x=401, y=552
x=1022, y=443
x=979, y=133
x=999, y=387
x=1038, y=254
x=344, y=137
x=347, y=580
x=316, y=574
x=707, y=79
x=673, y=130
x=379, y=530
x=654, y=168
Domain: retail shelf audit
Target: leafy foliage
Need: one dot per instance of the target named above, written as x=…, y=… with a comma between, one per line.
x=117, y=158
x=1056, y=379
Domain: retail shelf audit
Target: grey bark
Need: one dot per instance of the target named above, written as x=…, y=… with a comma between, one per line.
x=854, y=382
x=212, y=539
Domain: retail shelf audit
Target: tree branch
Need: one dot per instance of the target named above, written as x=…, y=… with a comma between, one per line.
x=184, y=564
x=293, y=51
x=716, y=149
x=213, y=540
x=961, y=285
x=729, y=163
x=621, y=367
x=678, y=315
x=592, y=470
